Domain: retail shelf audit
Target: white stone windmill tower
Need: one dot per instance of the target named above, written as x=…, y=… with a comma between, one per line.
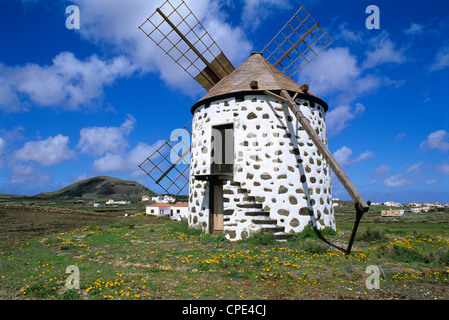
x=259, y=157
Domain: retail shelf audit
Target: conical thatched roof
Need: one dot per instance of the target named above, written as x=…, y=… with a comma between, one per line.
x=255, y=68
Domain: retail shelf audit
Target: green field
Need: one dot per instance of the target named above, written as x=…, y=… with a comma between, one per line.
x=153, y=258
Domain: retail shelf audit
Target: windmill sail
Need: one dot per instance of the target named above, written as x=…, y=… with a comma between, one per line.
x=169, y=165
x=177, y=31
x=297, y=43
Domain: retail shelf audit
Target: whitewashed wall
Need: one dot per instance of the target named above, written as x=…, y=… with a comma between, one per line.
x=276, y=167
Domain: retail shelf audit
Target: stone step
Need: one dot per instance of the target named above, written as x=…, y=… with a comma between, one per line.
x=283, y=236
x=264, y=221
x=257, y=213
x=273, y=229
x=250, y=205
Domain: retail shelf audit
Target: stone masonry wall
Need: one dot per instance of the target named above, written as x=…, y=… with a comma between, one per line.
x=281, y=182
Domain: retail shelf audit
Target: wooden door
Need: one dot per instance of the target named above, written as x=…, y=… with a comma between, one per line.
x=216, y=215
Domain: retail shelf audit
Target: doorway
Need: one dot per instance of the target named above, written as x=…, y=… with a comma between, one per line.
x=222, y=149
x=216, y=219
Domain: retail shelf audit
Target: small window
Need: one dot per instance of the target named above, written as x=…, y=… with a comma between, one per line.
x=178, y=211
x=152, y=210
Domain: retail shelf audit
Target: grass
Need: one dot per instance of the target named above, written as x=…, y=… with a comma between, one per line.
x=150, y=258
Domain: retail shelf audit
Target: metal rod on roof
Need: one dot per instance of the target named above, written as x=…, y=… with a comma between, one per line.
x=296, y=44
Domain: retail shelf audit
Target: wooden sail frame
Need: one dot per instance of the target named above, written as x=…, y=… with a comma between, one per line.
x=178, y=32
x=297, y=43
x=172, y=178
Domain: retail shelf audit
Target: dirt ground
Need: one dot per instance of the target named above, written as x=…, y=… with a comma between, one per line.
x=26, y=223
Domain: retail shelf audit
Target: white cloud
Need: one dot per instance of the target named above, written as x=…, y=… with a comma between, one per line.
x=443, y=168
x=415, y=168
x=436, y=140
x=400, y=136
x=338, y=118
x=344, y=154
x=100, y=140
x=67, y=83
x=384, y=51
x=336, y=72
x=126, y=162
x=50, y=151
x=414, y=29
x=348, y=35
x=25, y=174
x=365, y=155
x=431, y=181
x=2, y=145
x=333, y=70
x=378, y=173
x=397, y=180
x=116, y=24
x=441, y=60
x=255, y=11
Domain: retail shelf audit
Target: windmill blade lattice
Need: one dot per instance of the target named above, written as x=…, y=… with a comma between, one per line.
x=177, y=31
x=297, y=43
x=171, y=175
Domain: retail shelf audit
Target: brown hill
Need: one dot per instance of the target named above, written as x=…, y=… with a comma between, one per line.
x=100, y=188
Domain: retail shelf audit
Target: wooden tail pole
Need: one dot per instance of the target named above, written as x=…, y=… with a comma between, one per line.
x=358, y=217
x=360, y=203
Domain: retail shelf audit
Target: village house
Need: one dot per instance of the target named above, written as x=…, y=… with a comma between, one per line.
x=420, y=209
x=145, y=198
x=433, y=205
x=163, y=199
x=414, y=205
x=113, y=202
x=176, y=211
x=392, y=204
x=392, y=213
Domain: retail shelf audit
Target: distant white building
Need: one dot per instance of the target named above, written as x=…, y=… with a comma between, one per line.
x=113, y=202
x=420, y=209
x=163, y=199
x=145, y=198
x=414, y=205
x=392, y=213
x=392, y=204
x=433, y=205
x=174, y=211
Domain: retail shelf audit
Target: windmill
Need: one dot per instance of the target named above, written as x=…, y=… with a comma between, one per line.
x=259, y=156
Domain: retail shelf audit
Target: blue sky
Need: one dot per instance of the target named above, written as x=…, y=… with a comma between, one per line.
x=96, y=101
